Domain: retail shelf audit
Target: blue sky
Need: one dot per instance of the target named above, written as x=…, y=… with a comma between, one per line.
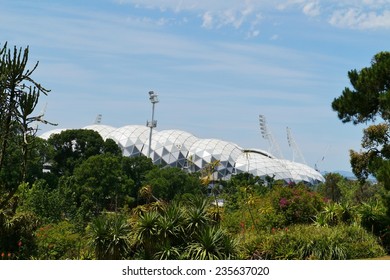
x=216, y=65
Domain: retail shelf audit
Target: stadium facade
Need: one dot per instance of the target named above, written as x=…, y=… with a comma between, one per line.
x=181, y=149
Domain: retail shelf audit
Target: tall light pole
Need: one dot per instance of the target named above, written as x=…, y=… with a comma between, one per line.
x=153, y=97
x=266, y=133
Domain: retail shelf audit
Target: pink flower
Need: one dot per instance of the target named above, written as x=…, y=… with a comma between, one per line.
x=283, y=202
x=20, y=243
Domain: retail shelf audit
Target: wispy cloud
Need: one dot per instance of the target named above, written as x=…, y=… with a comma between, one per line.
x=359, y=19
x=213, y=14
x=312, y=9
x=354, y=14
x=207, y=19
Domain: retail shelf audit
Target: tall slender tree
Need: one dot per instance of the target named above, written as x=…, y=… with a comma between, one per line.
x=19, y=95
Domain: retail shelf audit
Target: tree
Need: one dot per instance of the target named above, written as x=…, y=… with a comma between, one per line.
x=330, y=188
x=368, y=101
x=137, y=168
x=370, y=96
x=108, y=235
x=101, y=185
x=73, y=146
x=169, y=182
x=146, y=233
x=19, y=95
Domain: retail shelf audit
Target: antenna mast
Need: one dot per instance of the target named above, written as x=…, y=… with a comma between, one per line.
x=274, y=148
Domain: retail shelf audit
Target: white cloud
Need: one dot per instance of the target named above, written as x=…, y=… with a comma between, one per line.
x=207, y=20
x=312, y=9
x=253, y=33
x=354, y=18
x=356, y=14
x=198, y=5
x=213, y=14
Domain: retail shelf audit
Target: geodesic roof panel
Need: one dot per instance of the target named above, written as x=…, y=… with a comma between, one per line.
x=261, y=165
x=170, y=147
x=131, y=138
x=206, y=151
x=302, y=172
x=103, y=130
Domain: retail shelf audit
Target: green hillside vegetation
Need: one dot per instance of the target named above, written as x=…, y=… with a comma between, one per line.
x=75, y=196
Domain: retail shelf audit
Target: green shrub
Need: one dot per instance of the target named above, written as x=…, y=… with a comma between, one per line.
x=280, y=207
x=374, y=219
x=337, y=213
x=373, y=216
x=108, y=236
x=58, y=242
x=304, y=242
x=297, y=204
x=17, y=234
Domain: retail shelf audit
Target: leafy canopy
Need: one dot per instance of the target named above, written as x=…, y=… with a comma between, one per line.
x=370, y=96
x=369, y=100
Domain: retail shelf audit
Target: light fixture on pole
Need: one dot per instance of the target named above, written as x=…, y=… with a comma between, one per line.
x=263, y=126
x=274, y=148
x=153, y=97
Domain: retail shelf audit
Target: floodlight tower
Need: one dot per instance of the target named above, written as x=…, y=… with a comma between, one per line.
x=295, y=149
x=153, y=97
x=98, y=119
x=266, y=134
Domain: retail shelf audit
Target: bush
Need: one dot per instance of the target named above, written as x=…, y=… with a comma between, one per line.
x=373, y=216
x=58, y=242
x=280, y=207
x=108, y=235
x=304, y=242
x=17, y=234
x=337, y=213
x=253, y=214
x=374, y=219
x=297, y=204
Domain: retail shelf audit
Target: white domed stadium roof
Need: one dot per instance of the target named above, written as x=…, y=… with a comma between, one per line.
x=261, y=165
x=103, y=130
x=131, y=138
x=302, y=173
x=206, y=151
x=170, y=147
x=49, y=133
x=181, y=149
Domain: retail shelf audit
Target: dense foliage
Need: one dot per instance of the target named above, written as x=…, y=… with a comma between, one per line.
x=368, y=101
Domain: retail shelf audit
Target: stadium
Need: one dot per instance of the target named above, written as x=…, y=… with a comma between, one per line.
x=181, y=149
